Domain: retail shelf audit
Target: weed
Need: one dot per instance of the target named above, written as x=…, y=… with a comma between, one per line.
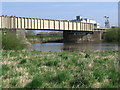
x=52, y=63
x=11, y=74
x=114, y=77
x=23, y=61
x=5, y=68
x=33, y=70
x=78, y=82
x=87, y=56
x=14, y=82
x=35, y=83
x=48, y=76
x=65, y=57
x=60, y=77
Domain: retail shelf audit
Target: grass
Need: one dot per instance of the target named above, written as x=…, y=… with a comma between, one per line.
x=86, y=69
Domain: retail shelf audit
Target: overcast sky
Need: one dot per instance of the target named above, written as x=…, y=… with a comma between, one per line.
x=63, y=10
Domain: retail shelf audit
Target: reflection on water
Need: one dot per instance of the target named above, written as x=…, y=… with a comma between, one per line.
x=74, y=46
x=90, y=46
x=48, y=46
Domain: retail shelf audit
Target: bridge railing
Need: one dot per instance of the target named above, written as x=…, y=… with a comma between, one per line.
x=12, y=22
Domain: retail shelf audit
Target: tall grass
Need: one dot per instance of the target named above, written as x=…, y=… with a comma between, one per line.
x=112, y=35
x=39, y=70
x=11, y=42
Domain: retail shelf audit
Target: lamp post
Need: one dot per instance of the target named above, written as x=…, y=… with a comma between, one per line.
x=107, y=24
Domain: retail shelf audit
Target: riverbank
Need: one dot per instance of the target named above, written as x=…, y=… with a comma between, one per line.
x=36, y=69
x=43, y=40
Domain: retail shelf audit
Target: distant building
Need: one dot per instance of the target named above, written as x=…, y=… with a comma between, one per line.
x=85, y=20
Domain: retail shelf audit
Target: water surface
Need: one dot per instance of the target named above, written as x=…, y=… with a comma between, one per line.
x=74, y=46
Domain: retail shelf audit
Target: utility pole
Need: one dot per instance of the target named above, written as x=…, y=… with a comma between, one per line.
x=107, y=23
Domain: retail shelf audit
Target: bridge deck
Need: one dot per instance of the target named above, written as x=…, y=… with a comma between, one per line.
x=12, y=22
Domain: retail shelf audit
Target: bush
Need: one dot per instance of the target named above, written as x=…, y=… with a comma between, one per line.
x=112, y=35
x=11, y=42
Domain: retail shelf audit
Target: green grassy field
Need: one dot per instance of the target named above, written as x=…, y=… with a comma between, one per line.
x=35, y=69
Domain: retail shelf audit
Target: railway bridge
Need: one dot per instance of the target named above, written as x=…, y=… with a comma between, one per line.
x=72, y=31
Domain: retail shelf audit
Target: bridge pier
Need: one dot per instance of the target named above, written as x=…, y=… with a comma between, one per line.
x=21, y=34
x=80, y=36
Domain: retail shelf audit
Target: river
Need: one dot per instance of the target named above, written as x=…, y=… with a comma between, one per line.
x=54, y=46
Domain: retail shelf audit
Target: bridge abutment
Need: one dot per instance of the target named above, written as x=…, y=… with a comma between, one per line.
x=20, y=33
x=80, y=36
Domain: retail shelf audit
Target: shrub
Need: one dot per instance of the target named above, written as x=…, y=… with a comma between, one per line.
x=112, y=35
x=11, y=42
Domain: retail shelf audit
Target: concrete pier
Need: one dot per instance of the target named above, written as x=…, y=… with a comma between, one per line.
x=75, y=36
x=20, y=33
